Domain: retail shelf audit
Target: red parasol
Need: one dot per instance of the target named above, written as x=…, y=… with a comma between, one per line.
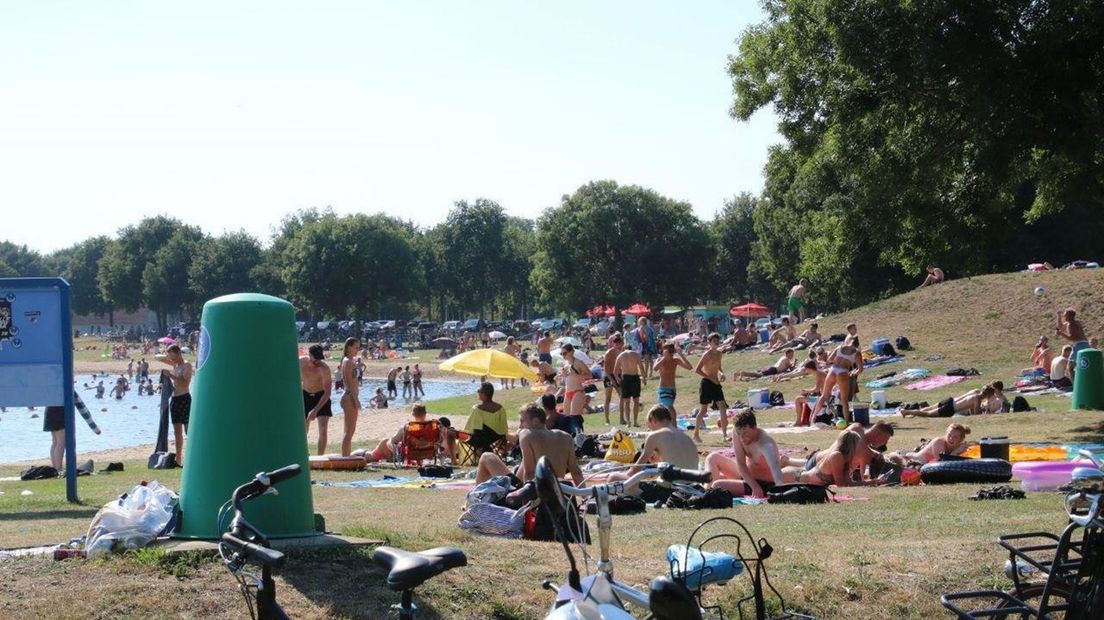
x=750, y=311
x=638, y=310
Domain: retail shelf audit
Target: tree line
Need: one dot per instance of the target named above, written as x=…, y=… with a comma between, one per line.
x=965, y=135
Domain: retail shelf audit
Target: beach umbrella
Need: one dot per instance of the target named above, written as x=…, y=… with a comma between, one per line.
x=488, y=363
x=638, y=310
x=445, y=343
x=571, y=340
x=497, y=335
x=579, y=355
x=166, y=340
x=750, y=311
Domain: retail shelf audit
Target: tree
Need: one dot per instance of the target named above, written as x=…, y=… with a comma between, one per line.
x=224, y=265
x=165, y=287
x=356, y=263
x=82, y=271
x=923, y=132
x=619, y=245
x=125, y=260
x=733, y=232
x=24, y=261
x=515, y=291
x=473, y=245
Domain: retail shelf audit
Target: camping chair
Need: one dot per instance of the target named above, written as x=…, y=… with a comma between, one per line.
x=421, y=440
x=472, y=445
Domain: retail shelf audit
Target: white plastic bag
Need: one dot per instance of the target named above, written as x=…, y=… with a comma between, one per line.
x=131, y=521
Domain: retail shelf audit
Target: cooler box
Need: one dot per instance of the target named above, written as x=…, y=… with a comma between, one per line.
x=994, y=448
x=878, y=399
x=879, y=345
x=764, y=335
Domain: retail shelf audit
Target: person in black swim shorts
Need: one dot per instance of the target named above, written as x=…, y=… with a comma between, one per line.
x=317, y=384
x=180, y=407
x=54, y=423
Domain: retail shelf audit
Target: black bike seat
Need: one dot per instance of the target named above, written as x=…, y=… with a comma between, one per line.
x=408, y=570
x=670, y=600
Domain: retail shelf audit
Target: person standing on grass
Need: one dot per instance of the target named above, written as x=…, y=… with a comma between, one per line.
x=796, y=300
x=544, y=348
x=628, y=369
x=54, y=423
x=575, y=373
x=350, y=400
x=667, y=367
x=180, y=407
x=609, y=380
x=710, y=392
x=1071, y=329
x=314, y=376
x=648, y=349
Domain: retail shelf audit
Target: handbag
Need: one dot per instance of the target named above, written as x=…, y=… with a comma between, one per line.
x=799, y=493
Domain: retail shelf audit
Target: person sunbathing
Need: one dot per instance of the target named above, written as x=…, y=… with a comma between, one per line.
x=974, y=402
x=388, y=449
x=808, y=338
x=665, y=444
x=835, y=464
x=953, y=442
x=536, y=440
x=1041, y=357
x=783, y=334
x=755, y=466
x=784, y=364
x=740, y=339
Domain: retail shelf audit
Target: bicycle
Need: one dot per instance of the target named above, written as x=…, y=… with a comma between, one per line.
x=243, y=542
x=674, y=597
x=1074, y=568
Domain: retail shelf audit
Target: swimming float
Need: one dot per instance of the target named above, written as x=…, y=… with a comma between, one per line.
x=967, y=470
x=1045, y=475
x=1020, y=452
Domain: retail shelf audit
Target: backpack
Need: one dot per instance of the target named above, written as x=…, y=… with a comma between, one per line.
x=38, y=472
x=161, y=460
x=695, y=497
x=903, y=344
x=1020, y=404
x=797, y=493
x=777, y=399
x=620, y=505
x=539, y=526
x=435, y=471
x=888, y=349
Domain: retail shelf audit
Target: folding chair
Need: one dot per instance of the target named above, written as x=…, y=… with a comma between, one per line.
x=472, y=445
x=421, y=440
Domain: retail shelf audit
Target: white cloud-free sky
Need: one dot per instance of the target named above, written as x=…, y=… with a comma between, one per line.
x=230, y=115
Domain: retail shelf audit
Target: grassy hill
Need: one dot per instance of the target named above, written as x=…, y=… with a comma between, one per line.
x=889, y=553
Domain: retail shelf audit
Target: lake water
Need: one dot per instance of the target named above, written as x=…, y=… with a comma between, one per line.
x=133, y=420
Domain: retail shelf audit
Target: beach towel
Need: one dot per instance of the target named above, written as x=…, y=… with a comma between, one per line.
x=935, y=381
x=392, y=482
x=883, y=360
x=898, y=379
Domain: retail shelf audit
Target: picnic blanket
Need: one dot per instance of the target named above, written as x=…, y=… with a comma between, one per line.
x=898, y=379
x=883, y=360
x=408, y=482
x=934, y=381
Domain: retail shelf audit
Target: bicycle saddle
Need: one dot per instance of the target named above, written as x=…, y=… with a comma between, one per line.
x=408, y=570
x=670, y=600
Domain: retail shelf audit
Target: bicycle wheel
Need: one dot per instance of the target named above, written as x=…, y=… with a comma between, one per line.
x=1032, y=594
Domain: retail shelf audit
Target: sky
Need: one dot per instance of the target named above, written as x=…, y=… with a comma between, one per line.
x=231, y=115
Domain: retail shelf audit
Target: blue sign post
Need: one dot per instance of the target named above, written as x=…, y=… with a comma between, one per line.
x=36, y=354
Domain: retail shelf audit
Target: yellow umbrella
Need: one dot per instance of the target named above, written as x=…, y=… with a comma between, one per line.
x=489, y=363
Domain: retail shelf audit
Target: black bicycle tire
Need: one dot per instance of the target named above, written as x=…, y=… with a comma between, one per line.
x=967, y=471
x=1034, y=590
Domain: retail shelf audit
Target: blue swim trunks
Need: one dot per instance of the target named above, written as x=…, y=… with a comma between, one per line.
x=545, y=357
x=666, y=396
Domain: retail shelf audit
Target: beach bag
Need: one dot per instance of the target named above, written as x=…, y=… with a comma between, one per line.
x=652, y=492
x=798, y=493
x=620, y=505
x=38, y=472
x=622, y=449
x=435, y=471
x=1020, y=404
x=777, y=399
x=587, y=447
x=492, y=491
x=539, y=526
x=888, y=350
x=903, y=344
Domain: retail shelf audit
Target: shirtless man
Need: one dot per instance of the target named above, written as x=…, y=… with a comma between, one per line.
x=935, y=276
x=120, y=388
x=392, y=389
x=783, y=365
x=180, y=407
x=710, y=392
x=512, y=348
x=314, y=375
x=546, y=372
x=544, y=348
x=1041, y=357
x=795, y=301
x=852, y=337
x=667, y=366
x=974, y=402
x=808, y=338
x=756, y=463
x=1071, y=329
x=616, y=342
x=665, y=444
x=953, y=443
x=628, y=369
x=407, y=386
x=536, y=441
x=782, y=335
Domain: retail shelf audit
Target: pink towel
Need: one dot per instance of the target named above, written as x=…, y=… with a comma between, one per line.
x=934, y=381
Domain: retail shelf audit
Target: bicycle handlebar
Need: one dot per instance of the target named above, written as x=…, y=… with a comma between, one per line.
x=663, y=471
x=268, y=557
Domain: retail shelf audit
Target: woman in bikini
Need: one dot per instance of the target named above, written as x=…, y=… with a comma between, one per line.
x=575, y=373
x=831, y=466
x=846, y=362
x=953, y=443
x=350, y=401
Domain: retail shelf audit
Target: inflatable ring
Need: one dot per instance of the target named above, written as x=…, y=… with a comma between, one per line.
x=347, y=463
x=969, y=470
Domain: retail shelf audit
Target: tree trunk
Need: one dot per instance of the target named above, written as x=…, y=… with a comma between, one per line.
x=111, y=318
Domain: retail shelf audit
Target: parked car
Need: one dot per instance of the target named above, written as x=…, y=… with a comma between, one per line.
x=451, y=325
x=583, y=323
x=473, y=325
x=387, y=324
x=427, y=326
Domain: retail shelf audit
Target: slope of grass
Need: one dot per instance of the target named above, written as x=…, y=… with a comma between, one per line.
x=888, y=555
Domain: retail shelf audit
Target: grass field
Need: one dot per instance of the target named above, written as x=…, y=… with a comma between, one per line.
x=888, y=555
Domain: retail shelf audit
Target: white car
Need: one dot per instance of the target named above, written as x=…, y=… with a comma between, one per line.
x=583, y=323
x=387, y=324
x=451, y=325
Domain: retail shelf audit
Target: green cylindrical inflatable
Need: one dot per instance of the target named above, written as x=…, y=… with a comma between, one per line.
x=1088, y=380
x=247, y=417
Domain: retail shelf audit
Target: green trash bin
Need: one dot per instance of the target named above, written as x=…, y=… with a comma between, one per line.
x=1088, y=380
x=247, y=417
